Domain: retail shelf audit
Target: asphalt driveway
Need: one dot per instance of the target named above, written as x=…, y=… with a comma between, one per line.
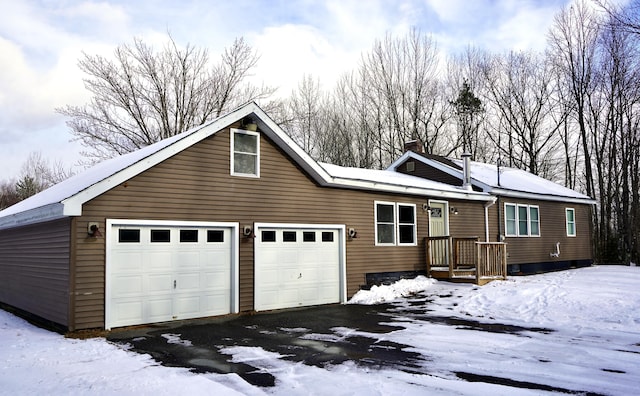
x=314, y=336
x=318, y=336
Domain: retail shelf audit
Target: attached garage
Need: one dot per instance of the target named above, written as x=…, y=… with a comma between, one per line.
x=154, y=235
x=299, y=265
x=159, y=271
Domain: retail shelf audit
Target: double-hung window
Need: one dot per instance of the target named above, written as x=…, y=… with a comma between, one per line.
x=245, y=153
x=521, y=220
x=395, y=224
x=571, y=221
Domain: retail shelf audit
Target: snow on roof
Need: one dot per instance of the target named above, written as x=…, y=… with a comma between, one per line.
x=392, y=178
x=518, y=180
x=66, y=198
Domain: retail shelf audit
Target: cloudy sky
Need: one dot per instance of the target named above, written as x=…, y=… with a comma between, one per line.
x=42, y=41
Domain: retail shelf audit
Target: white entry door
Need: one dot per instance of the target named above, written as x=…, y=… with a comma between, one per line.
x=298, y=265
x=166, y=271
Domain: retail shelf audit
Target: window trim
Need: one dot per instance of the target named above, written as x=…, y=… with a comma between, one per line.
x=232, y=151
x=414, y=224
x=375, y=221
x=566, y=218
x=516, y=220
x=396, y=223
x=538, y=221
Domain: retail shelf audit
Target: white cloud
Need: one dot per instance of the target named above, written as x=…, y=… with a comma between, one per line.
x=290, y=51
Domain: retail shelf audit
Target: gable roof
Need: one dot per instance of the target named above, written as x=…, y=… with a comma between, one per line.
x=66, y=198
x=504, y=181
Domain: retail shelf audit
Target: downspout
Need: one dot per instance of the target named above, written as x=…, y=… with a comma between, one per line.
x=486, y=218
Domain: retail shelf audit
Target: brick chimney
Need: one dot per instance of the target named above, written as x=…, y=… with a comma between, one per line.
x=413, y=145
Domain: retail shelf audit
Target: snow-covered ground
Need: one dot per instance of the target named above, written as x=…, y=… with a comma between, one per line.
x=575, y=330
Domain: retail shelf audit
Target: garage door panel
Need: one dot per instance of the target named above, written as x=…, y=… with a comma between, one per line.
x=187, y=306
x=186, y=276
x=127, y=262
x=159, y=283
x=128, y=311
x=216, y=303
x=157, y=309
x=157, y=260
x=216, y=280
x=188, y=282
x=186, y=260
x=125, y=286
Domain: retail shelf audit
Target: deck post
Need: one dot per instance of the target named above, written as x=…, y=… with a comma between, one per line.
x=478, y=256
x=449, y=247
x=427, y=255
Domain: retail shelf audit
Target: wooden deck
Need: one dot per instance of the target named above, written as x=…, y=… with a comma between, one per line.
x=465, y=259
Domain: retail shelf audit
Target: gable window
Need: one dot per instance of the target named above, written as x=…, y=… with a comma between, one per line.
x=395, y=224
x=245, y=153
x=571, y=221
x=521, y=220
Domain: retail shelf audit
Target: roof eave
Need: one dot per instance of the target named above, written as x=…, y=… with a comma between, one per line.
x=392, y=188
x=41, y=214
x=543, y=197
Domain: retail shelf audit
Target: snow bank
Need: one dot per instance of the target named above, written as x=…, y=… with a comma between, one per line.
x=34, y=361
x=384, y=293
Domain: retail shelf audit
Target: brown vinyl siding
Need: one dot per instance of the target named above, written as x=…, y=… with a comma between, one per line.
x=428, y=172
x=523, y=250
x=34, y=269
x=469, y=222
x=195, y=185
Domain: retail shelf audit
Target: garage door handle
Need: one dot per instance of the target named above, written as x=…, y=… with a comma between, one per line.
x=174, y=284
x=300, y=276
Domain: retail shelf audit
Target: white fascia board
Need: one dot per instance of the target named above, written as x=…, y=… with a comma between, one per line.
x=434, y=193
x=289, y=146
x=38, y=215
x=439, y=166
x=540, y=197
x=73, y=204
x=400, y=160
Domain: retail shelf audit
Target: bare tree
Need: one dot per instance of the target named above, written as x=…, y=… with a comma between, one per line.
x=402, y=78
x=143, y=95
x=522, y=89
x=572, y=46
x=307, y=114
x=625, y=17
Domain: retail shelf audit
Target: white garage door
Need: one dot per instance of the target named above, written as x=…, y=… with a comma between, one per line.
x=298, y=265
x=159, y=271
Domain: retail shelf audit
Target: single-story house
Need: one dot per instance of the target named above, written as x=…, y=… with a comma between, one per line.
x=546, y=226
x=231, y=216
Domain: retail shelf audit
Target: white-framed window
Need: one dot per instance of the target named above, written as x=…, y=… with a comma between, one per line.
x=385, y=213
x=521, y=220
x=534, y=220
x=245, y=153
x=395, y=224
x=570, y=214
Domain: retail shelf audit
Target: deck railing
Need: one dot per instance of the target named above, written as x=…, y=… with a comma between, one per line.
x=463, y=257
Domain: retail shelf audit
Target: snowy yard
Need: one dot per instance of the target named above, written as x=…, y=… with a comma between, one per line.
x=570, y=331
